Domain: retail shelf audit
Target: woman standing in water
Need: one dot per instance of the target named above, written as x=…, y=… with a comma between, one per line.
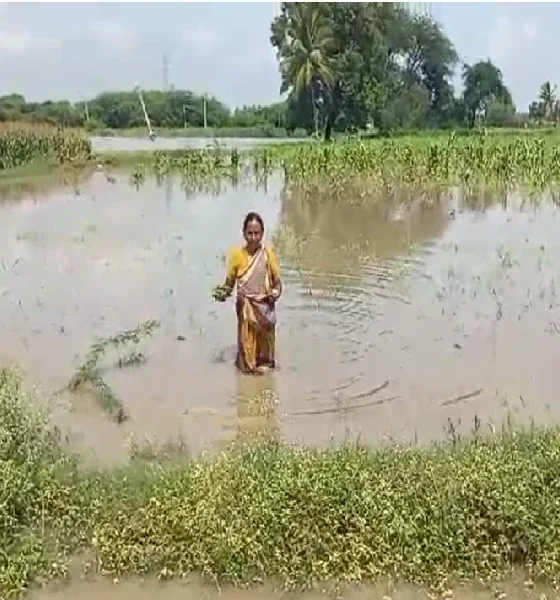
x=255, y=270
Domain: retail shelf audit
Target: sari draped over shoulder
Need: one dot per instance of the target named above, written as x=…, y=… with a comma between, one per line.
x=256, y=315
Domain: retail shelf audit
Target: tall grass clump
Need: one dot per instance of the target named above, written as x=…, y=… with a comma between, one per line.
x=23, y=145
x=433, y=516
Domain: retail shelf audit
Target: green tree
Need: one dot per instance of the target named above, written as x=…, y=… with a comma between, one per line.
x=547, y=95
x=12, y=107
x=273, y=115
x=501, y=114
x=484, y=85
x=430, y=59
x=370, y=41
x=384, y=62
x=536, y=111
x=304, y=45
x=408, y=110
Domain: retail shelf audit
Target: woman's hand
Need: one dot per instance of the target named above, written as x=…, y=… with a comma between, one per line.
x=221, y=293
x=273, y=296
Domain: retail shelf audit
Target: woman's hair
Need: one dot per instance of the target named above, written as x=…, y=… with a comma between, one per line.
x=253, y=216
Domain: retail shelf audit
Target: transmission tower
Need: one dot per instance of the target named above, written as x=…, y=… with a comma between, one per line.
x=166, y=71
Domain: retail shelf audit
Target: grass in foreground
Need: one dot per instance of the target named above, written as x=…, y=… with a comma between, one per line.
x=431, y=516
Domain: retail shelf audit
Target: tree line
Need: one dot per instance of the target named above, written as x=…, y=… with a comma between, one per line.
x=353, y=66
x=344, y=67
x=122, y=110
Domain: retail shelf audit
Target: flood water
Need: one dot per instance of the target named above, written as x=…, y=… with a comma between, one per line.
x=120, y=144
x=399, y=316
x=512, y=589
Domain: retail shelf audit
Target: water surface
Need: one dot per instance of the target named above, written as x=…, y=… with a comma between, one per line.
x=402, y=317
x=512, y=589
x=122, y=144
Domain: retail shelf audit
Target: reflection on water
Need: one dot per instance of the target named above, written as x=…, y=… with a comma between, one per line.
x=399, y=313
x=257, y=408
x=13, y=189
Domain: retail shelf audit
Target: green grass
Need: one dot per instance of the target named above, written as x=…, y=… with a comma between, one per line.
x=432, y=516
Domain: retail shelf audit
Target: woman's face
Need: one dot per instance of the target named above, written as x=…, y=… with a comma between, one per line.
x=253, y=235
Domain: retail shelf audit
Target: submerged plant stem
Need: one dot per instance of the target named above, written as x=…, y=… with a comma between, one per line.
x=89, y=370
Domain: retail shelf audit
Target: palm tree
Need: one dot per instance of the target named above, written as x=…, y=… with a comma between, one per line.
x=556, y=111
x=547, y=95
x=306, y=63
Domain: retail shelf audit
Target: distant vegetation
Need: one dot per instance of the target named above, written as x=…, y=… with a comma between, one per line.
x=353, y=66
x=345, y=67
x=176, y=109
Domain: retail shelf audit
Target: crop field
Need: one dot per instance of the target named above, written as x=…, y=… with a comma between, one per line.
x=409, y=436
x=24, y=145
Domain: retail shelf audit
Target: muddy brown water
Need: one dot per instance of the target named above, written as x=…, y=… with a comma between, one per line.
x=399, y=316
x=515, y=588
x=131, y=144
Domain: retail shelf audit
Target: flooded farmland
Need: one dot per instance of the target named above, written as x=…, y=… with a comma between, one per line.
x=405, y=318
x=120, y=144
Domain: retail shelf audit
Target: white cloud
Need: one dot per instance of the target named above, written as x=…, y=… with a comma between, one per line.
x=14, y=42
x=509, y=38
x=529, y=30
x=114, y=35
x=253, y=59
x=200, y=38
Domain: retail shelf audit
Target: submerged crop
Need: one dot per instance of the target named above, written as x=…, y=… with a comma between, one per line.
x=354, y=166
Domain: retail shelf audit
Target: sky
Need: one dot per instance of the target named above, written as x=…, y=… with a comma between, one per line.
x=74, y=50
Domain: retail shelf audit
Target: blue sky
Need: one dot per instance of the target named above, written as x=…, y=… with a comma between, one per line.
x=66, y=50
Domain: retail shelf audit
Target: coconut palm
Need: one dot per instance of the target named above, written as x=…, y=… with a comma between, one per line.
x=306, y=64
x=547, y=95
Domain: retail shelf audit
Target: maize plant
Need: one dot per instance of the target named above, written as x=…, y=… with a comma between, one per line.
x=23, y=145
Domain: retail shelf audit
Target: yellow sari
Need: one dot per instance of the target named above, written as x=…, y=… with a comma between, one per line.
x=256, y=316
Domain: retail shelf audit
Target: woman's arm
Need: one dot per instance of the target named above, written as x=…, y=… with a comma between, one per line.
x=229, y=281
x=232, y=269
x=276, y=279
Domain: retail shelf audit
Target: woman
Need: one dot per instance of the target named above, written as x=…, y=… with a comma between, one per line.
x=256, y=272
